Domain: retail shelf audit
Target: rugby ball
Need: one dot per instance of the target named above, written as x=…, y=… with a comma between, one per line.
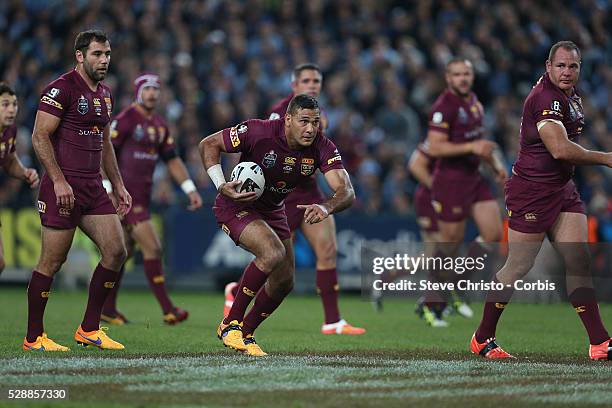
x=252, y=178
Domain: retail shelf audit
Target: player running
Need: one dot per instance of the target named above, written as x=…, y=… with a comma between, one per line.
x=140, y=137
x=9, y=160
x=71, y=138
x=289, y=151
x=307, y=79
x=542, y=200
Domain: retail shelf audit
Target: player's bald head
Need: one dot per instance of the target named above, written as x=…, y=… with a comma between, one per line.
x=566, y=45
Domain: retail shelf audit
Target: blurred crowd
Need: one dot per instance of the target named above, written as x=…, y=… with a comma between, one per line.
x=383, y=61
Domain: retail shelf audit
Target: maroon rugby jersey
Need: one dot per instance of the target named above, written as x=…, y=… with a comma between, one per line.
x=264, y=142
x=7, y=143
x=461, y=120
x=547, y=101
x=139, y=142
x=77, y=141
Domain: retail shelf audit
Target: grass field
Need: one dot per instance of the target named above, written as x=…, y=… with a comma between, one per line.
x=399, y=362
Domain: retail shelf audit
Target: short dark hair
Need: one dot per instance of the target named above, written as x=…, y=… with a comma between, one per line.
x=6, y=88
x=297, y=71
x=457, y=60
x=302, y=101
x=84, y=38
x=566, y=45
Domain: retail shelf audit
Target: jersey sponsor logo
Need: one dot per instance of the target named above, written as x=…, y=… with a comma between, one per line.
x=477, y=110
x=280, y=188
x=287, y=169
x=109, y=105
x=82, y=105
x=151, y=155
x=234, y=137
x=152, y=134
x=240, y=215
x=531, y=217
x=113, y=129
x=248, y=292
x=307, y=169
x=94, y=131
x=580, y=309
x=242, y=129
x=42, y=206
x=109, y=285
x=437, y=118
x=457, y=210
x=462, y=116
x=225, y=229
x=274, y=116
x=159, y=279
x=308, y=160
x=437, y=206
x=474, y=133
x=500, y=306
x=52, y=102
x=64, y=212
x=333, y=159
x=291, y=160
x=138, y=133
x=97, y=106
x=45, y=294
x=269, y=159
x=547, y=112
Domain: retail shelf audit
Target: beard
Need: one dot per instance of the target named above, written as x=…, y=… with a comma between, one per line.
x=92, y=73
x=460, y=93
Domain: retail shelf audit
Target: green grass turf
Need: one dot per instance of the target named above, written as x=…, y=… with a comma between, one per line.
x=399, y=362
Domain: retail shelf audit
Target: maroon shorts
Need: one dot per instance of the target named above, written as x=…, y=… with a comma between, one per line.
x=309, y=194
x=90, y=199
x=233, y=218
x=534, y=207
x=426, y=216
x=140, y=209
x=452, y=198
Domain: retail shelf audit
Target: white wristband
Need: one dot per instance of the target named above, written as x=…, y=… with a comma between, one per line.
x=108, y=186
x=216, y=175
x=188, y=187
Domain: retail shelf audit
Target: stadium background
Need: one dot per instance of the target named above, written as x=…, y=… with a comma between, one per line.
x=226, y=61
